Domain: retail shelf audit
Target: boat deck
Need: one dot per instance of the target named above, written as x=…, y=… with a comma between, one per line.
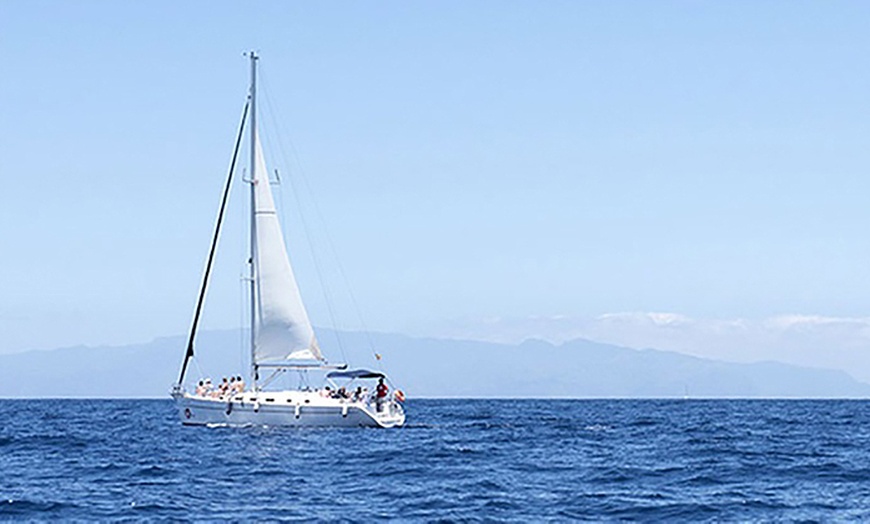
x=290, y=407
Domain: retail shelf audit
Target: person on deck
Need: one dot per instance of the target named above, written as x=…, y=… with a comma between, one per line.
x=381, y=394
x=200, y=389
x=240, y=384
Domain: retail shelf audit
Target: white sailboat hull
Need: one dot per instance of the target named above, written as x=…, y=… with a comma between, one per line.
x=286, y=408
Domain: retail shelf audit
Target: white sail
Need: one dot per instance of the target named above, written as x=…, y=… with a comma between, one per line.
x=283, y=331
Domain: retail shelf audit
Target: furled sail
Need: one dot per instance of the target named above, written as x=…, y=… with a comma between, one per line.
x=283, y=331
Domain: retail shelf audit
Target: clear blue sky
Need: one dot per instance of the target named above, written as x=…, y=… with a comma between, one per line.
x=472, y=159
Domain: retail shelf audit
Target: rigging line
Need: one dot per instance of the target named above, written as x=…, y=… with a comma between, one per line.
x=329, y=305
x=306, y=229
x=271, y=377
x=198, y=368
x=242, y=317
x=303, y=380
x=329, y=241
x=217, y=230
x=244, y=299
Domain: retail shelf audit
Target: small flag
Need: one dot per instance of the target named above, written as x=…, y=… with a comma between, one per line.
x=378, y=356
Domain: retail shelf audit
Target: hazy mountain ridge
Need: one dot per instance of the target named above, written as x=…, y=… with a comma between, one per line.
x=428, y=367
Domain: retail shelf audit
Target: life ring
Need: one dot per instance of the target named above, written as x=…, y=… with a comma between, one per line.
x=187, y=413
x=399, y=395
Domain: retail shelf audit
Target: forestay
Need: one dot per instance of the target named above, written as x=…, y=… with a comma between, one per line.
x=283, y=331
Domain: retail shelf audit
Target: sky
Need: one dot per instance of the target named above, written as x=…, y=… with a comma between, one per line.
x=460, y=162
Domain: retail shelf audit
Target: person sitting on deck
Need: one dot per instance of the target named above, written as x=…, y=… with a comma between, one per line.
x=200, y=389
x=240, y=384
x=216, y=390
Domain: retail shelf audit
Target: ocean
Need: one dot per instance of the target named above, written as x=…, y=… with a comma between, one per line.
x=455, y=460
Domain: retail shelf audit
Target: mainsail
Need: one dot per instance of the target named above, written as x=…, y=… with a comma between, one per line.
x=283, y=331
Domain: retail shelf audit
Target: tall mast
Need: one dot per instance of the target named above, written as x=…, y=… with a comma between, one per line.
x=253, y=131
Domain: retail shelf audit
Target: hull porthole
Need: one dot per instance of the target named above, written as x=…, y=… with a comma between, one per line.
x=187, y=413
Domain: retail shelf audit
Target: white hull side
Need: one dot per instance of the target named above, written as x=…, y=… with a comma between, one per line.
x=286, y=409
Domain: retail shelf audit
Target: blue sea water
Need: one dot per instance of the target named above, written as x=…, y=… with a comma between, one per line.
x=494, y=460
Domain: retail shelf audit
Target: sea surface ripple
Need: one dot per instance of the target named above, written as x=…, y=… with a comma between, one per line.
x=455, y=460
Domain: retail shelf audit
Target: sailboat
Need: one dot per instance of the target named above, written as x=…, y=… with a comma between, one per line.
x=282, y=337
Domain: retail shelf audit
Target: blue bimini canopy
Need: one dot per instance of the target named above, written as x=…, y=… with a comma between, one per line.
x=355, y=373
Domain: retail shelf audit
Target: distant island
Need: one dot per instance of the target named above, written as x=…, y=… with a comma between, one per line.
x=432, y=367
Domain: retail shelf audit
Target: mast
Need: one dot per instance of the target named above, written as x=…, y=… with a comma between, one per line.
x=253, y=254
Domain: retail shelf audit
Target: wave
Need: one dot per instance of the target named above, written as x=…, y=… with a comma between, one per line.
x=33, y=508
